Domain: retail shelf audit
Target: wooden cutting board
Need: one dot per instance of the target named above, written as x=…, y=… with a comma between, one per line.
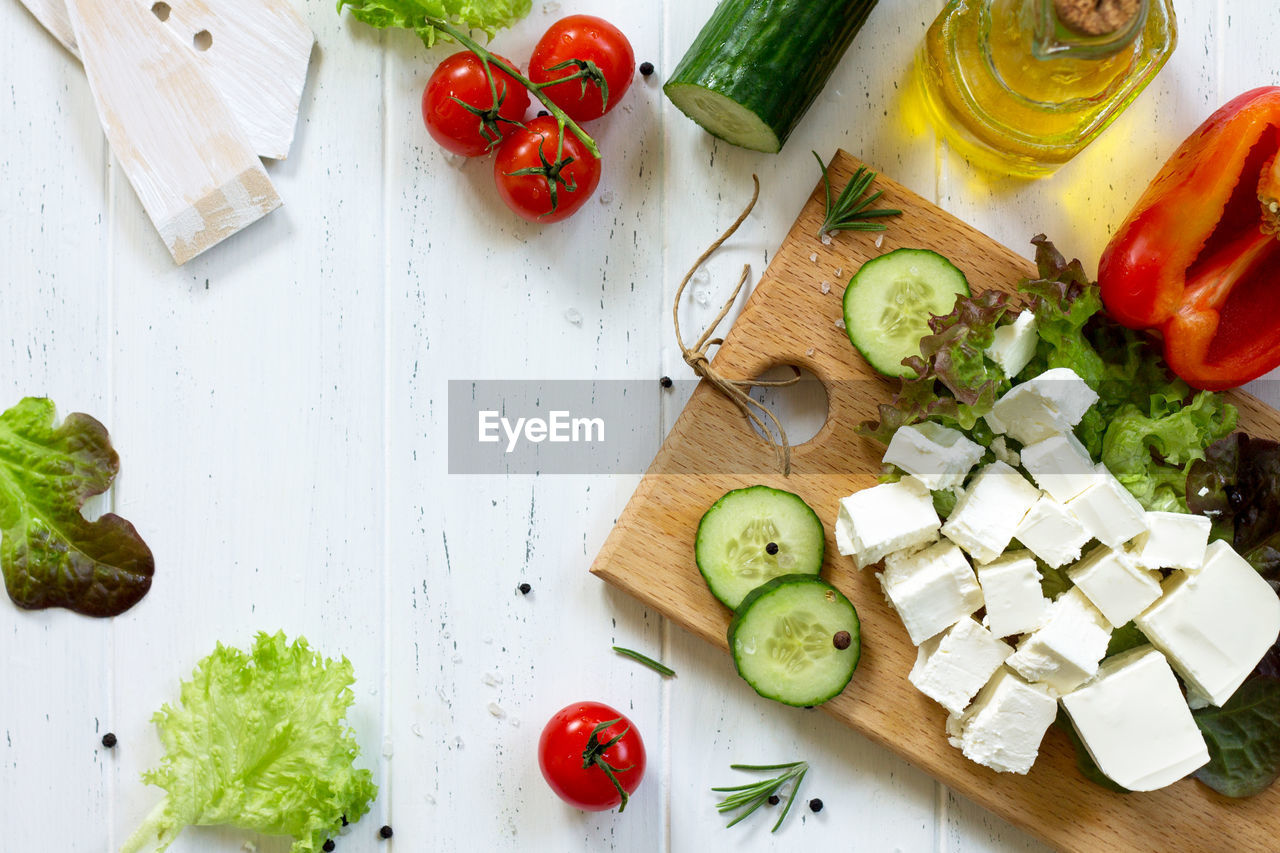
x=649, y=554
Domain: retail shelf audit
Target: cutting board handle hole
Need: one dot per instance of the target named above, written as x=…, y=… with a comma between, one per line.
x=801, y=408
x=203, y=40
x=161, y=11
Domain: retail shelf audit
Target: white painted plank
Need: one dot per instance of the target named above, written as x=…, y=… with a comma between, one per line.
x=249, y=384
x=55, y=703
x=476, y=293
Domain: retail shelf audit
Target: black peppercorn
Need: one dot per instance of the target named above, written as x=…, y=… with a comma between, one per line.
x=385, y=832
x=525, y=589
x=771, y=548
x=773, y=799
x=109, y=740
x=841, y=640
x=328, y=846
x=646, y=68
x=815, y=805
x=344, y=820
x=665, y=382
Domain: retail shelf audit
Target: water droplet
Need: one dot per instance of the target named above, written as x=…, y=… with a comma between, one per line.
x=551, y=8
x=606, y=198
x=702, y=295
x=387, y=747
x=496, y=710
x=416, y=729
x=574, y=316
x=491, y=680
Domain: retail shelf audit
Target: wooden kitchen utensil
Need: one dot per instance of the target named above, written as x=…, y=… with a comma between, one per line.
x=789, y=319
x=188, y=159
x=254, y=52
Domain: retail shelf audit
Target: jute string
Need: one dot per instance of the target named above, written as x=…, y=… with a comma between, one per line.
x=698, y=358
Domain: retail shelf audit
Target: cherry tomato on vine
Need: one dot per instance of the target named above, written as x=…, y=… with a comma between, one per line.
x=458, y=105
x=595, y=50
x=540, y=179
x=591, y=756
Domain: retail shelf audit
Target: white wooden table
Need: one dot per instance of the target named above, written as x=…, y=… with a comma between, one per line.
x=279, y=407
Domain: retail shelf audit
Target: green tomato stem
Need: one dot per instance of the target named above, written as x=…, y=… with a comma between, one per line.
x=490, y=59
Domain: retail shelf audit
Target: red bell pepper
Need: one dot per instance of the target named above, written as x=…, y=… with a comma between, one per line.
x=1198, y=258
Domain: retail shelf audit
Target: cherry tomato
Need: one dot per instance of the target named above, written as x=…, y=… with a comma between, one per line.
x=576, y=735
x=461, y=77
x=544, y=188
x=584, y=39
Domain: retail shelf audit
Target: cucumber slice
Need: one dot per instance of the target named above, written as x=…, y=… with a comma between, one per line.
x=889, y=300
x=757, y=65
x=734, y=536
x=785, y=643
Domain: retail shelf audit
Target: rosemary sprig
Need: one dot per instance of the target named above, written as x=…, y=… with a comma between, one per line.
x=654, y=665
x=849, y=212
x=755, y=794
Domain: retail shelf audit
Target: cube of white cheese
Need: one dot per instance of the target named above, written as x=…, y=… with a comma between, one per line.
x=1011, y=590
x=940, y=457
x=931, y=589
x=875, y=522
x=1013, y=345
x=990, y=510
x=1135, y=723
x=1043, y=406
x=1052, y=532
x=1004, y=726
x=1116, y=586
x=1060, y=465
x=952, y=667
x=1214, y=625
x=1063, y=653
x=1109, y=511
x=1174, y=540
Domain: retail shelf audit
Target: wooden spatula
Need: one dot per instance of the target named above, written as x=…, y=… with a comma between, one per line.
x=188, y=159
x=254, y=52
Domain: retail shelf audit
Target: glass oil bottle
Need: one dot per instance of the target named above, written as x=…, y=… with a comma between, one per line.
x=1021, y=86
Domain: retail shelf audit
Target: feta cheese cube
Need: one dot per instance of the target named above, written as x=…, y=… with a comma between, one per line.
x=1214, y=625
x=1060, y=465
x=1135, y=723
x=1013, y=345
x=1025, y=415
x=889, y=517
x=990, y=510
x=1006, y=723
x=952, y=667
x=931, y=589
x=1116, y=586
x=1108, y=511
x=1063, y=653
x=1004, y=452
x=1174, y=540
x=1045, y=405
x=940, y=457
x=1052, y=532
x=1011, y=590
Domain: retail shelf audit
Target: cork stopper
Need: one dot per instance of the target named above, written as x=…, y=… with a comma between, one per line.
x=1097, y=17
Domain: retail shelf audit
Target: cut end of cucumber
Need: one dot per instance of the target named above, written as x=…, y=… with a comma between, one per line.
x=755, y=534
x=796, y=640
x=723, y=118
x=889, y=301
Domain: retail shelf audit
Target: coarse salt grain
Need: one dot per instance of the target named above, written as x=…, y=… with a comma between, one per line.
x=814, y=257
x=826, y=287
x=826, y=238
x=879, y=241
x=496, y=710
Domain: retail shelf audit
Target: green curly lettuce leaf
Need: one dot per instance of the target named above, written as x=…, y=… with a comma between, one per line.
x=51, y=556
x=258, y=742
x=487, y=15
x=1243, y=737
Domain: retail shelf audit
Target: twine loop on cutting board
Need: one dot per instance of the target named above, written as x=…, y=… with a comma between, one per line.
x=698, y=356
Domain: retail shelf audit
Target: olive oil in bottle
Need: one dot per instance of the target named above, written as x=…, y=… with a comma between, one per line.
x=1021, y=86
